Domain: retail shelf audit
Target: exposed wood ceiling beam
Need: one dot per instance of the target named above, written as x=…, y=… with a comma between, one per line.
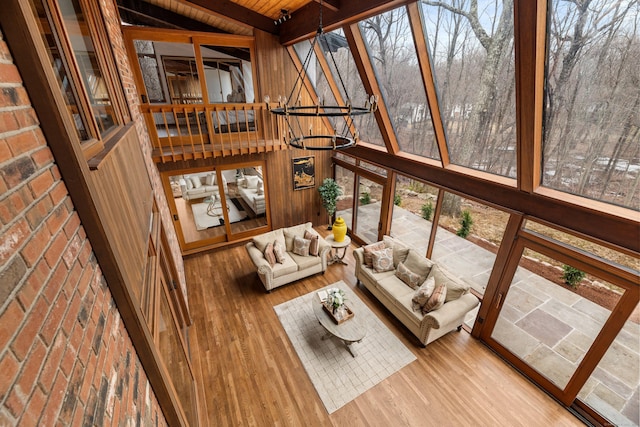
x=304, y=21
x=330, y=4
x=138, y=12
x=229, y=10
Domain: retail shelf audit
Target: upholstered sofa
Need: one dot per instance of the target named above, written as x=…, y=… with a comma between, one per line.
x=201, y=185
x=251, y=189
x=293, y=266
x=398, y=297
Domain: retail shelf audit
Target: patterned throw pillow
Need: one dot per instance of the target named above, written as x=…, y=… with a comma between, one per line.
x=382, y=260
x=436, y=300
x=301, y=246
x=407, y=276
x=370, y=248
x=423, y=294
x=313, y=248
x=269, y=255
x=279, y=251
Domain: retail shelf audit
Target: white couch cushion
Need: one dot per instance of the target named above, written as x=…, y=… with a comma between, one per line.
x=195, y=180
x=287, y=267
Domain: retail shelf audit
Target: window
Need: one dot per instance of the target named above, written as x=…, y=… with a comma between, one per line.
x=591, y=135
x=83, y=69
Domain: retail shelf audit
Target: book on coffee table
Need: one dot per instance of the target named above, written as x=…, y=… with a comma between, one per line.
x=323, y=295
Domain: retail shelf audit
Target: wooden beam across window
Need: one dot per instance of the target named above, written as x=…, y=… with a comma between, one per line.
x=370, y=83
x=304, y=21
x=427, y=78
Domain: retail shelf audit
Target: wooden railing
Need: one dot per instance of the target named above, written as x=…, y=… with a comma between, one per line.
x=192, y=131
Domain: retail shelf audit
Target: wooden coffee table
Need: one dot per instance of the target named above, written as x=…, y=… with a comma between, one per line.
x=348, y=332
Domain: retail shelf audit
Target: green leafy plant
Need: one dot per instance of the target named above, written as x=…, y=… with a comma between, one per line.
x=397, y=200
x=329, y=192
x=427, y=210
x=365, y=199
x=572, y=276
x=465, y=224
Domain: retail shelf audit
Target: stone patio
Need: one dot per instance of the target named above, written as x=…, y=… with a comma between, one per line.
x=546, y=325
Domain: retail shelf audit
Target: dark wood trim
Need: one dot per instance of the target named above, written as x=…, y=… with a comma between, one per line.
x=305, y=20
x=370, y=83
x=30, y=55
x=428, y=80
x=604, y=222
x=229, y=10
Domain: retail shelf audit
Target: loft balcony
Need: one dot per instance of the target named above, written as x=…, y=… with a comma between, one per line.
x=196, y=131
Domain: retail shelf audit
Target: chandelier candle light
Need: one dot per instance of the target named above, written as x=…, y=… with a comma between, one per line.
x=292, y=110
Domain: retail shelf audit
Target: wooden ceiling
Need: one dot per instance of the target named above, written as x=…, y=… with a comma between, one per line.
x=242, y=16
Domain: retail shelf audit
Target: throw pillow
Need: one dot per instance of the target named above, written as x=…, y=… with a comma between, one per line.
x=389, y=241
x=423, y=294
x=314, y=246
x=196, y=182
x=252, y=181
x=211, y=178
x=407, y=276
x=399, y=254
x=382, y=260
x=436, y=300
x=370, y=248
x=189, y=183
x=301, y=246
x=455, y=288
x=269, y=255
x=418, y=264
x=280, y=252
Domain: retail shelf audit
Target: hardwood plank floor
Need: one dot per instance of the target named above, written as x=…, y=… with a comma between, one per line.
x=252, y=376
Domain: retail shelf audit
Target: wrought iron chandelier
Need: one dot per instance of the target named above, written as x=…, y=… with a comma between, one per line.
x=291, y=109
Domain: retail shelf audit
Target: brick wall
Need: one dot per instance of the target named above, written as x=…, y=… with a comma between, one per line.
x=65, y=356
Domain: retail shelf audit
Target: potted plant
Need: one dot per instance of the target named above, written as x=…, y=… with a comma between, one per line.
x=329, y=192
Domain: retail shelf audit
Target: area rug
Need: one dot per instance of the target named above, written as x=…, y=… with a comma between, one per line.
x=204, y=221
x=336, y=375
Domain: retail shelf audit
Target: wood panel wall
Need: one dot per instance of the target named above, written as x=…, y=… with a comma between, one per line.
x=124, y=201
x=276, y=74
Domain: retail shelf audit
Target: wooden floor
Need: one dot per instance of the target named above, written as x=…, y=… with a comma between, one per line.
x=252, y=376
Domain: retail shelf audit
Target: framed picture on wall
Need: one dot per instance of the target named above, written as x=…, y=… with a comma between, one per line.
x=304, y=172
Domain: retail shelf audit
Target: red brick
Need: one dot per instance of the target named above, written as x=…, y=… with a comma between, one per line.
x=34, y=284
x=85, y=254
x=88, y=377
x=71, y=284
x=26, y=117
x=55, y=172
x=38, y=212
x=9, y=367
x=72, y=314
x=27, y=334
x=54, y=403
x=9, y=73
x=52, y=363
x=8, y=122
x=83, y=284
x=78, y=416
x=57, y=247
x=33, y=250
x=34, y=409
x=42, y=157
x=15, y=402
x=54, y=284
x=72, y=225
x=31, y=368
x=4, y=55
x=12, y=239
x=10, y=321
x=70, y=255
x=56, y=219
x=41, y=184
x=58, y=193
x=68, y=360
x=54, y=320
x=5, y=152
x=23, y=142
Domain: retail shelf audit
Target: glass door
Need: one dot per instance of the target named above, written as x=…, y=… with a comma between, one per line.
x=556, y=312
x=369, y=204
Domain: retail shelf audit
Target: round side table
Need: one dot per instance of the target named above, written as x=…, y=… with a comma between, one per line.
x=335, y=248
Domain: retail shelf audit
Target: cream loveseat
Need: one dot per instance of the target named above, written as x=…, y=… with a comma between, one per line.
x=398, y=297
x=293, y=266
x=252, y=192
x=199, y=186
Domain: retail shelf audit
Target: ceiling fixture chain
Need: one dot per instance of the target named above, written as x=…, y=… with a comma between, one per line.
x=293, y=111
